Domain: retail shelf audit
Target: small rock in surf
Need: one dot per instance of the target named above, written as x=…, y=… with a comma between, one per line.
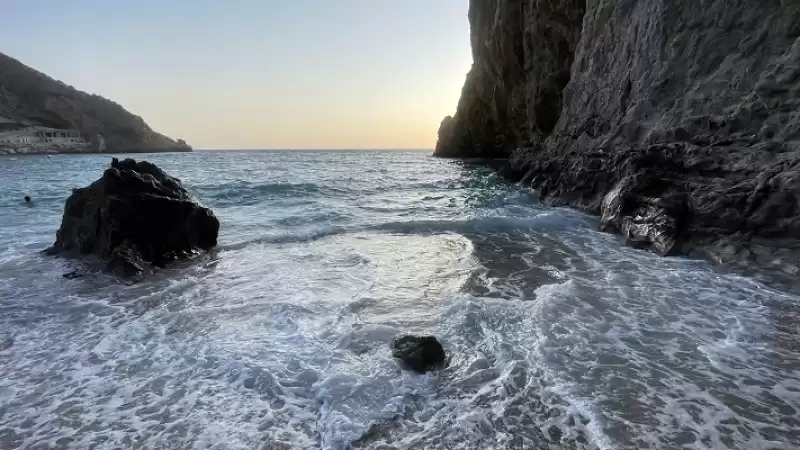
x=420, y=353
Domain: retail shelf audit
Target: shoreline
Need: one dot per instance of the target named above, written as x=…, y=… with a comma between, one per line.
x=776, y=257
x=105, y=152
x=690, y=151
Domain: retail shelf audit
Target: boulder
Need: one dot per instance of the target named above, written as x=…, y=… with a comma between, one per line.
x=420, y=353
x=135, y=217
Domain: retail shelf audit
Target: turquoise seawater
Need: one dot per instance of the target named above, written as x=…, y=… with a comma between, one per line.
x=558, y=336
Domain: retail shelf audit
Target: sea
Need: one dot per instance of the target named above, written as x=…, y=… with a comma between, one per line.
x=558, y=336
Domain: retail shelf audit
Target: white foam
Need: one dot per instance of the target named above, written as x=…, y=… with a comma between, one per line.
x=557, y=336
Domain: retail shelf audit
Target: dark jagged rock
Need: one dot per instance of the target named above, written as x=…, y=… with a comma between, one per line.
x=135, y=216
x=677, y=123
x=522, y=52
x=420, y=353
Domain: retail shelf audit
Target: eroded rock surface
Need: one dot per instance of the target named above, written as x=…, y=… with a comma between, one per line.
x=678, y=122
x=522, y=52
x=135, y=216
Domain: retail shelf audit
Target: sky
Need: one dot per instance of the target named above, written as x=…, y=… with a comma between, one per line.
x=248, y=74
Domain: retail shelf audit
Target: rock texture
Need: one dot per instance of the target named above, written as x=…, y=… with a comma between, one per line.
x=135, y=216
x=522, y=52
x=677, y=121
x=32, y=98
x=420, y=353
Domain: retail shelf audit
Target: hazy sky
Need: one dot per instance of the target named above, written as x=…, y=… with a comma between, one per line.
x=257, y=73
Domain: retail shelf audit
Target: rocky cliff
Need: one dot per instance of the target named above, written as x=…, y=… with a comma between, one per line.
x=677, y=121
x=31, y=98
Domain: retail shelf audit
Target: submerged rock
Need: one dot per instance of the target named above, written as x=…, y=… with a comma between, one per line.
x=5, y=342
x=135, y=216
x=420, y=353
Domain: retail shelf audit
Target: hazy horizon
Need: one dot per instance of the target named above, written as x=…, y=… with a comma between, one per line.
x=266, y=75
x=277, y=149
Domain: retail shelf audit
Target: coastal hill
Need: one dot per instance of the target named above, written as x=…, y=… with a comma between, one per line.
x=678, y=123
x=41, y=115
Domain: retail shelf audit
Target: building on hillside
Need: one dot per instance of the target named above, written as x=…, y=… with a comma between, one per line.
x=59, y=136
x=20, y=134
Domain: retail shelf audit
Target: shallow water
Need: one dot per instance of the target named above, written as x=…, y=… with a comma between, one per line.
x=559, y=337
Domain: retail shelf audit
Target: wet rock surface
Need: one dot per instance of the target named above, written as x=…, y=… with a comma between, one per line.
x=679, y=124
x=135, y=217
x=420, y=353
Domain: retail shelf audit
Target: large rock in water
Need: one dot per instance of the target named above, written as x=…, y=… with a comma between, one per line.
x=678, y=121
x=135, y=216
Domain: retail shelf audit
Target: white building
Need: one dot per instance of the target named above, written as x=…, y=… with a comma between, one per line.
x=13, y=132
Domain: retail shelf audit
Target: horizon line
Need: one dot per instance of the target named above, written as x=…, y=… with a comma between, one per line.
x=280, y=149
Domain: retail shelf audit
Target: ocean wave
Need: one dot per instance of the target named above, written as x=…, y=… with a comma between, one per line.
x=556, y=335
x=244, y=193
x=543, y=222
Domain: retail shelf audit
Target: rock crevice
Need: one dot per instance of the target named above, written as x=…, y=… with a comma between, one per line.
x=677, y=121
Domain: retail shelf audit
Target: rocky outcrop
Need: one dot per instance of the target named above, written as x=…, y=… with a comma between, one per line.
x=677, y=121
x=134, y=217
x=31, y=98
x=419, y=353
x=522, y=52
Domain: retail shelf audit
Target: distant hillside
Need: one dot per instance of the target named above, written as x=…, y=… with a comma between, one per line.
x=32, y=98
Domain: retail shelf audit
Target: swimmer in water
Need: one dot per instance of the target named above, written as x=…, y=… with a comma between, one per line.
x=28, y=200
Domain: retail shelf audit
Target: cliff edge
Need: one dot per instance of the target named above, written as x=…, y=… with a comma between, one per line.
x=678, y=122
x=39, y=114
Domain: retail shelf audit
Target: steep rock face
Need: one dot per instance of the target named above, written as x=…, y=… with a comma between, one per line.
x=679, y=121
x=31, y=97
x=522, y=53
